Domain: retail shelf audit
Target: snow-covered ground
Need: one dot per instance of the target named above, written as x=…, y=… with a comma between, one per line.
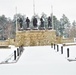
x=40, y=60
x=5, y=53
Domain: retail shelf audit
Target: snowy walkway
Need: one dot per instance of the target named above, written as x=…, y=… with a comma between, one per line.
x=40, y=60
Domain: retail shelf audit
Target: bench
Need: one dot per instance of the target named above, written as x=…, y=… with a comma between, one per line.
x=4, y=46
x=69, y=44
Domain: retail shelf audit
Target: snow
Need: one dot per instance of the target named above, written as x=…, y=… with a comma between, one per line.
x=40, y=60
x=5, y=53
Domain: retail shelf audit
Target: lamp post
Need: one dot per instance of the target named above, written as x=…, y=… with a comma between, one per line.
x=34, y=7
x=52, y=16
x=16, y=20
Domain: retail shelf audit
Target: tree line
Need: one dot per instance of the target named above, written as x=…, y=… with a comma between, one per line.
x=63, y=26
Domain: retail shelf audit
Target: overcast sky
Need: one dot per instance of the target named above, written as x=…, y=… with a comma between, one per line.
x=25, y=7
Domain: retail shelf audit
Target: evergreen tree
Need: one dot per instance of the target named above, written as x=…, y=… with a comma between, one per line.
x=3, y=25
x=74, y=23
x=64, y=24
x=73, y=30
x=56, y=24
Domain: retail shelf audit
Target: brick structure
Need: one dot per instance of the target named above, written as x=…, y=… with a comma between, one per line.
x=35, y=37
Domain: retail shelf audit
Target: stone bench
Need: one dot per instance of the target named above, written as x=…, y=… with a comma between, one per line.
x=4, y=46
x=70, y=44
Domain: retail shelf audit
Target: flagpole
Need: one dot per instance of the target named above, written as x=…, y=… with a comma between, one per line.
x=16, y=20
x=52, y=16
x=34, y=7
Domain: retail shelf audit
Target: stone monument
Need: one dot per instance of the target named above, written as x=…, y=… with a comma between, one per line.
x=42, y=24
x=49, y=22
x=35, y=23
x=27, y=23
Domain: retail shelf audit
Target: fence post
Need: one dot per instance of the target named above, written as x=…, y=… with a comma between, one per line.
x=15, y=55
x=57, y=48
x=54, y=46
x=51, y=45
x=67, y=52
x=18, y=52
x=61, y=49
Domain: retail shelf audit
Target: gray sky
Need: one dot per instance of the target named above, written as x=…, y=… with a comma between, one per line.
x=25, y=7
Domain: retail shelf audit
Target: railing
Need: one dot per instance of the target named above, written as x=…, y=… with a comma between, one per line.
x=70, y=53
x=14, y=57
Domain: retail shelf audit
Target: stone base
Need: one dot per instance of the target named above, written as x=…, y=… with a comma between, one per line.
x=49, y=28
x=42, y=28
x=35, y=37
x=28, y=29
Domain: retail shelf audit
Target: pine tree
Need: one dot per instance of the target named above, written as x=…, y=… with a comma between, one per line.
x=72, y=32
x=56, y=24
x=64, y=24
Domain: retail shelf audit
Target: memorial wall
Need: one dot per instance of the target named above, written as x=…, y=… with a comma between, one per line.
x=35, y=37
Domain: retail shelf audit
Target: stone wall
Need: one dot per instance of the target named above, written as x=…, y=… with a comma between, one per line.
x=35, y=37
x=69, y=40
x=60, y=40
x=11, y=41
x=4, y=43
